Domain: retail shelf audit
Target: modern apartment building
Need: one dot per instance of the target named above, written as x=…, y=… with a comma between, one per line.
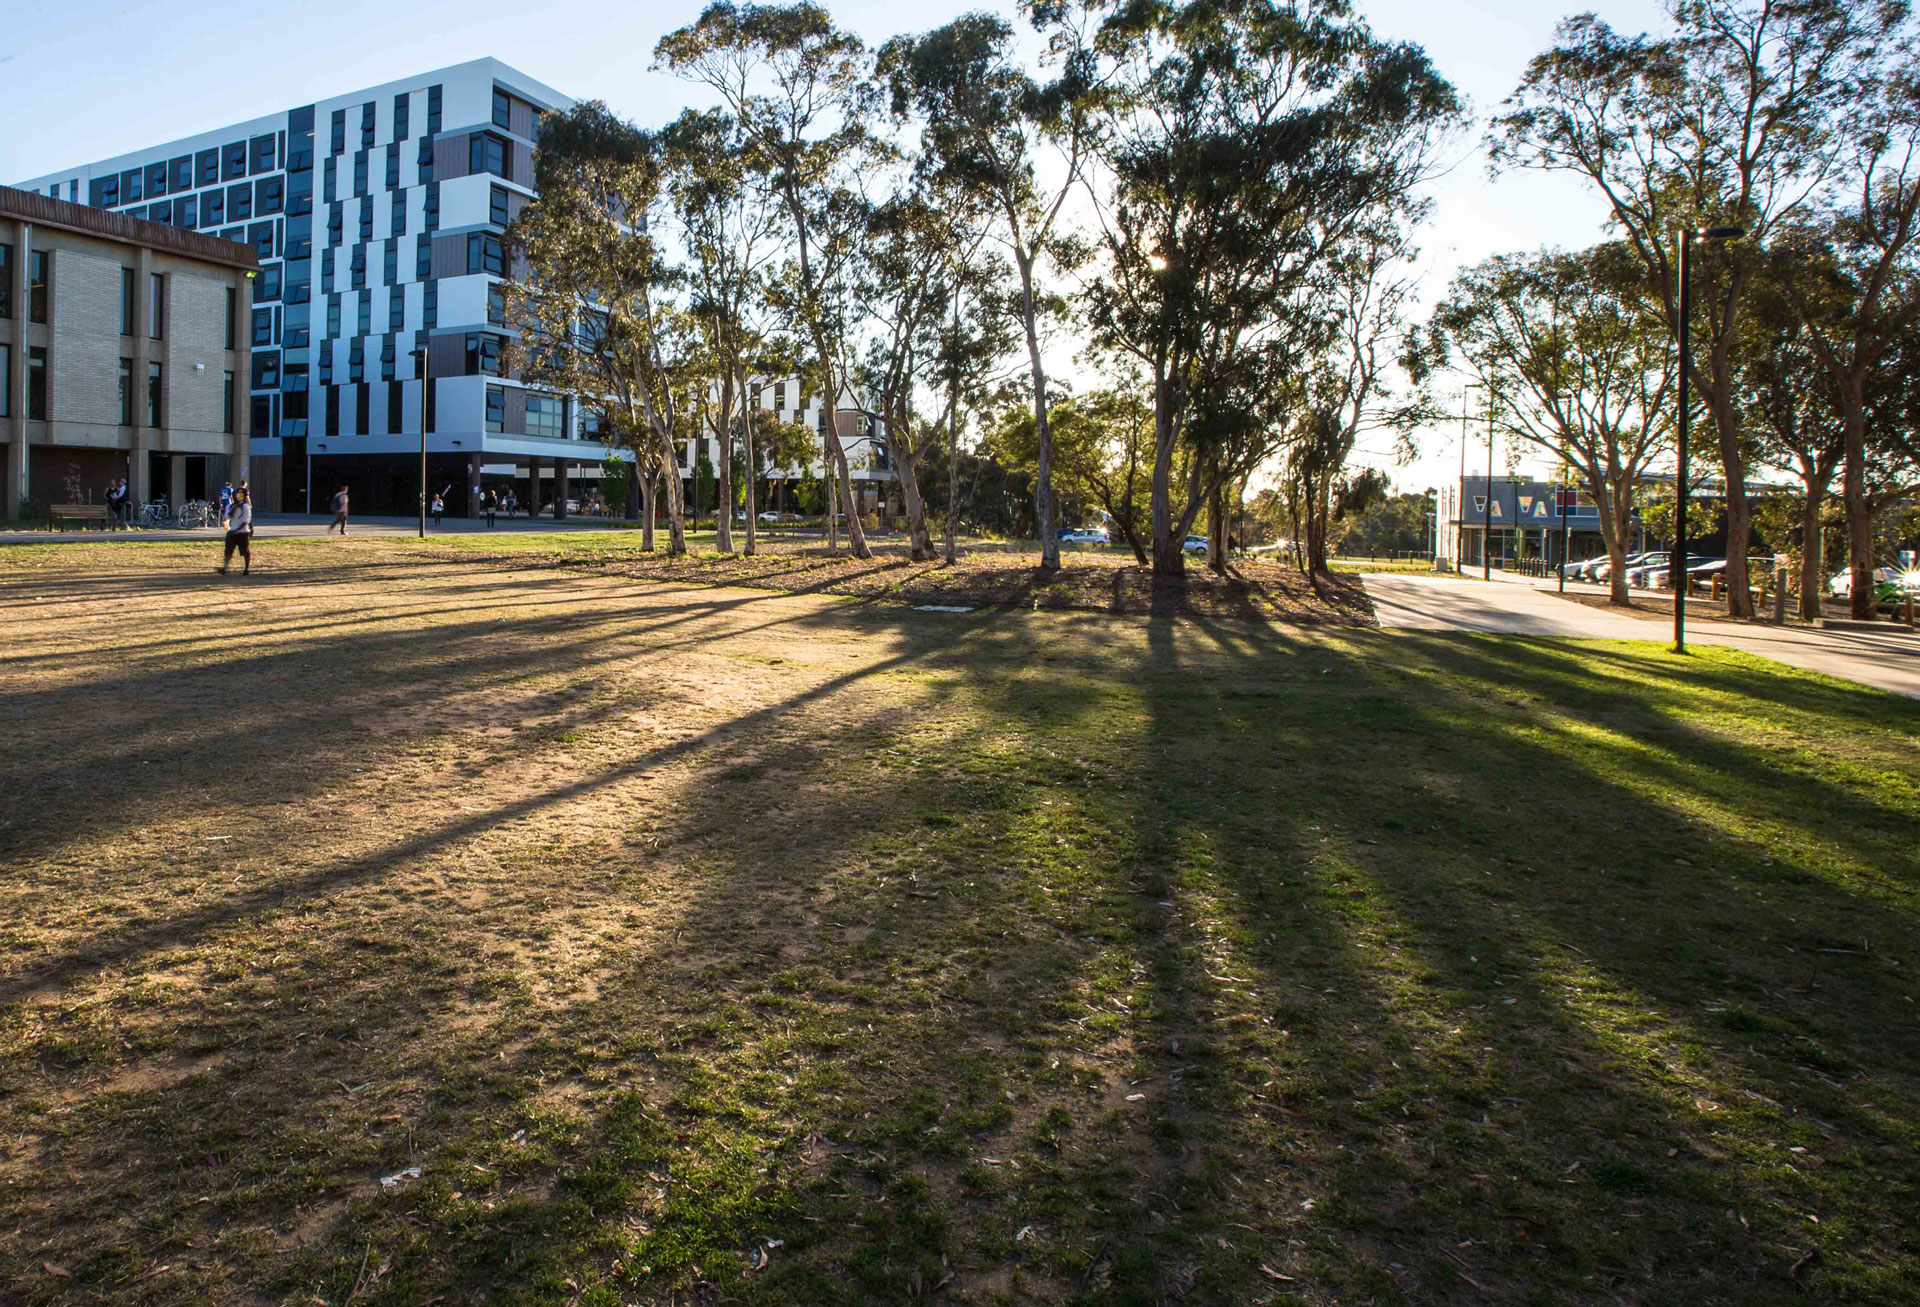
x=123, y=353
x=376, y=219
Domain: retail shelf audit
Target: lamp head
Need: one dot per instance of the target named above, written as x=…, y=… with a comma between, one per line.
x=1721, y=233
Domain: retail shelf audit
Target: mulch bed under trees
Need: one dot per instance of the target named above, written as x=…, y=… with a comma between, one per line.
x=1087, y=582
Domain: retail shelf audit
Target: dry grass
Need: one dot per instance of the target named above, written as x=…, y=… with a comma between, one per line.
x=705, y=945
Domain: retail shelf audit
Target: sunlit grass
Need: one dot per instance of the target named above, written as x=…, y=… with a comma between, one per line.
x=705, y=944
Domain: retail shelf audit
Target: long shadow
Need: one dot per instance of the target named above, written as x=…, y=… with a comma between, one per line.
x=1206, y=928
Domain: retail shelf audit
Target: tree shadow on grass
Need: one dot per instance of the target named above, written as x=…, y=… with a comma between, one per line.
x=1086, y=960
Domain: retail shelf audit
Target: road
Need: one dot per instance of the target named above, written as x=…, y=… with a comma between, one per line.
x=1887, y=660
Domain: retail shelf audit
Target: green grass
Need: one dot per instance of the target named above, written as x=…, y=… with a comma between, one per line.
x=778, y=950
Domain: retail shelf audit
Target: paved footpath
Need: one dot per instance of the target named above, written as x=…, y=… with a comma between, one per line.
x=1887, y=660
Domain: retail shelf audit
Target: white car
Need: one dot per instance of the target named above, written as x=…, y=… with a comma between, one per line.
x=1195, y=544
x=1083, y=537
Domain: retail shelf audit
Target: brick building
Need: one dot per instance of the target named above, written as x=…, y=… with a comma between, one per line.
x=121, y=354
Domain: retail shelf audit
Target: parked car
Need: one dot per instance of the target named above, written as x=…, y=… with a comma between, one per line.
x=1659, y=576
x=1083, y=536
x=1600, y=570
x=1884, y=578
x=1195, y=544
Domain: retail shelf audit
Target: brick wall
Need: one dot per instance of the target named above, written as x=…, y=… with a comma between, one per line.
x=196, y=333
x=85, y=360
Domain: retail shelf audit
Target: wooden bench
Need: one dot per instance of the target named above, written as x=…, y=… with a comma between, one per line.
x=82, y=513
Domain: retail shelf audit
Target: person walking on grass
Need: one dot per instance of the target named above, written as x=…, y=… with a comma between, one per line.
x=239, y=521
x=339, y=511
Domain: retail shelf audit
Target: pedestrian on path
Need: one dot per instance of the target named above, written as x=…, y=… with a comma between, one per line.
x=239, y=521
x=339, y=511
x=490, y=502
x=117, y=504
x=439, y=507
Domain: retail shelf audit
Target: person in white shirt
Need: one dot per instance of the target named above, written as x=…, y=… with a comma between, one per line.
x=239, y=534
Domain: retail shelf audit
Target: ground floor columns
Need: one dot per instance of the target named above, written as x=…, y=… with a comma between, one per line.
x=559, y=488
x=177, y=481
x=139, y=475
x=16, y=476
x=473, y=484
x=533, y=486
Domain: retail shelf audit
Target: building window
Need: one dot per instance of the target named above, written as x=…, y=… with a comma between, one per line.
x=433, y=109
x=104, y=192
x=261, y=154
x=366, y=125
x=333, y=317
x=239, y=202
x=496, y=304
x=186, y=211
x=153, y=395
x=393, y=167
x=206, y=167
x=366, y=312
x=422, y=256
x=366, y=220
x=496, y=409
x=126, y=392
x=397, y=309
x=332, y=424
x=300, y=192
x=430, y=208
x=484, y=254
x=400, y=107
x=390, y=263
x=37, y=383
x=269, y=194
x=545, y=415
x=180, y=174
x=226, y=405
x=336, y=224
x=329, y=181
x=6, y=380
x=233, y=161
x=486, y=153
x=360, y=407
x=213, y=208
x=233, y=313
x=127, y=284
x=360, y=173
x=266, y=370
x=398, y=226
x=262, y=327
x=337, y=133
x=497, y=207
x=260, y=235
x=356, y=359
x=37, y=286
x=357, y=267
x=266, y=286
x=430, y=306
x=133, y=185
x=388, y=358
x=483, y=355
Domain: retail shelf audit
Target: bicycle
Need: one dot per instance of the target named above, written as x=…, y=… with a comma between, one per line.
x=157, y=513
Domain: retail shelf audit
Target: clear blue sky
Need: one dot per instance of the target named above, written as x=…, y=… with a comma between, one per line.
x=87, y=79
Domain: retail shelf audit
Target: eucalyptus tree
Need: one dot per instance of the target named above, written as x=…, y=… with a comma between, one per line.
x=1786, y=399
x=726, y=227
x=1855, y=285
x=1245, y=144
x=592, y=302
x=908, y=283
x=1580, y=365
x=1018, y=141
x=801, y=91
x=1344, y=394
x=1730, y=118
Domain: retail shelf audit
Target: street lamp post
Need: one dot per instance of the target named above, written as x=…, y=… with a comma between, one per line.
x=1677, y=562
x=1459, y=506
x=1566, y=536
x=420, y=371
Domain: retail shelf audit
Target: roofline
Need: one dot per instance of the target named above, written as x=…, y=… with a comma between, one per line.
x=45, y=211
